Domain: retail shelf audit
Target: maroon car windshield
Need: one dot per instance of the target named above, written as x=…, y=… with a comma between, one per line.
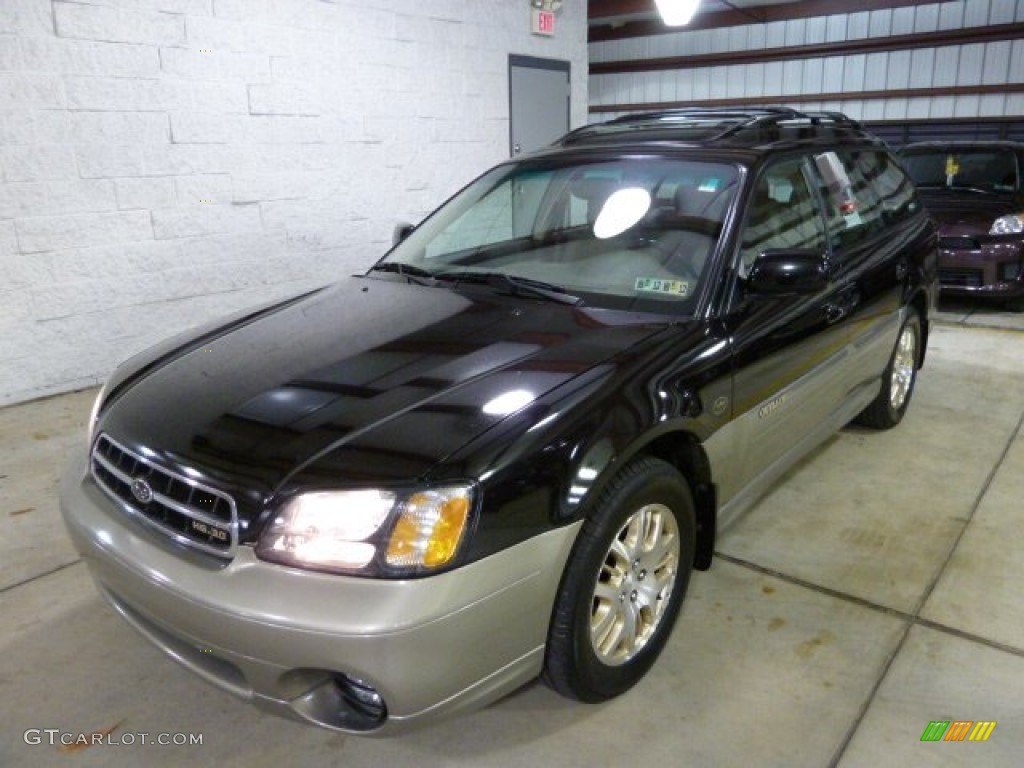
x=989, y=170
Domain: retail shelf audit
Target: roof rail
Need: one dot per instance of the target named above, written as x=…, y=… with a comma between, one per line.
x=728, y=122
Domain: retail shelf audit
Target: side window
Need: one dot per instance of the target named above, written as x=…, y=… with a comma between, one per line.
x=899, y=198
x=864, y=191
x=781, y=214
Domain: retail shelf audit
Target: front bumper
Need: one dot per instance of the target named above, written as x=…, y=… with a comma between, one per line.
x=982, y=267
x=283, y=638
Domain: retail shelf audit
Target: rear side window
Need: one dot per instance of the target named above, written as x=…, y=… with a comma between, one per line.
x=899, y=197
x=864, y=192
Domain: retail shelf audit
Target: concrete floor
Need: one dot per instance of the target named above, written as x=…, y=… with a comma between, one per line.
x=874, y=590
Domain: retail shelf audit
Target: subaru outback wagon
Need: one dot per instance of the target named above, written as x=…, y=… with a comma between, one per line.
x=501, y=452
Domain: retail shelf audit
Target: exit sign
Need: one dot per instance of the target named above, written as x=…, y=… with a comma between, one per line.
x=542, y=23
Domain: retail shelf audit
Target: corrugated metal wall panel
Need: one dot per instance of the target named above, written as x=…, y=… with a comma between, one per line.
x=930, y=68
x=965, y=106
x=835, y=29
x=971, y=58
x=999, y=12
x=951, y=15
x=997, y=63
x=902, y=21
x=897, y=76
x=926, y=18
x=1017, y=61
x=880, y=24
x=875, y=71
x=813, y=77
x=946, y=66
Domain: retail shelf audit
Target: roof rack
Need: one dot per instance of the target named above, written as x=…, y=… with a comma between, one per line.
x=706, y=124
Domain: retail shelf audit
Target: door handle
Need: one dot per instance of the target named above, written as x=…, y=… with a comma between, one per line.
x=834, y=313
x=842, y=305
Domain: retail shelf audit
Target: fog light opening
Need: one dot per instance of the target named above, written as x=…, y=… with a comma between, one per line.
x=362, y=698
x=340, y=701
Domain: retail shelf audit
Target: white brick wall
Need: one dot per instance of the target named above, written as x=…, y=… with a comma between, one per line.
x=163, y=162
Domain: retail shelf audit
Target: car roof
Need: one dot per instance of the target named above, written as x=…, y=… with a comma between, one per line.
x=759, y=129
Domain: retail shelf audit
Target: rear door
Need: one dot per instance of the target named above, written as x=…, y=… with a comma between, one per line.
x=872, y=230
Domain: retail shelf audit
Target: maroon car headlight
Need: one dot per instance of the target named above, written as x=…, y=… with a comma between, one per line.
x=1011, y=224
x=352, y=531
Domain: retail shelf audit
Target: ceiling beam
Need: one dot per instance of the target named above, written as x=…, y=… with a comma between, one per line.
x=804, y=9
x=964, y=36
x=811, y=98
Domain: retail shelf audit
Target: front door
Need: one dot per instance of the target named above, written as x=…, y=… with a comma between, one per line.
x=791, y=352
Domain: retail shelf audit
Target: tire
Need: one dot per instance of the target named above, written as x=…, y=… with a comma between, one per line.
x=899, y=378
x=623, y=585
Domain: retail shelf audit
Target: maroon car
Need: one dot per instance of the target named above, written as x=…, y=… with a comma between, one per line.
x=975, y=191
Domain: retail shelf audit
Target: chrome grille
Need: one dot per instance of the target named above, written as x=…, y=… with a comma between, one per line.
x=191, y=513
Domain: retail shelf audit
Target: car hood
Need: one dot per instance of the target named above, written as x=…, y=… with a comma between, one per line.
x=367, y=381
x=974, y=211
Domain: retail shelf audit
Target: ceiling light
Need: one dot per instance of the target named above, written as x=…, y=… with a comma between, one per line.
x=677, y=13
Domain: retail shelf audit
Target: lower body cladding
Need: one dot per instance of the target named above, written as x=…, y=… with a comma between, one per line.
x=983, y=270
x=359, y=655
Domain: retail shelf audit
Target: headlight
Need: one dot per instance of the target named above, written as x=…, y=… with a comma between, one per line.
x=1011, y=224
x=369, y=531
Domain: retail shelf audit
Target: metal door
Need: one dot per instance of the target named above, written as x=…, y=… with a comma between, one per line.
x=538, y=102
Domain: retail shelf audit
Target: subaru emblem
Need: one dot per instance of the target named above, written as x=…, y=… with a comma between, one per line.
x=141, y=490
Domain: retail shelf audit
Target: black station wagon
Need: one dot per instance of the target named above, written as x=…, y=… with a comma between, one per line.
x=501, y=452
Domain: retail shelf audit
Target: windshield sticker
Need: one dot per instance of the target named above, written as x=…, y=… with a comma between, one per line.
x=656, y=285
x=708, y=185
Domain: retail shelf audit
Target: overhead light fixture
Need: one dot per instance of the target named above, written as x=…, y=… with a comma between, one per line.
x=677, y=13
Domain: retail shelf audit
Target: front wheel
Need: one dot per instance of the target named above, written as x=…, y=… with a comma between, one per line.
x=898, y=381
x=624, y=584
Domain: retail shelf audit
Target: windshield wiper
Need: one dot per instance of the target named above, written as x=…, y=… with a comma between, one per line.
x=513, y=284
x=954, y=188
x=409, y=271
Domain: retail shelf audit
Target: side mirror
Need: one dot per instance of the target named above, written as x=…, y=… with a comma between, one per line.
x=778, y=271
x=402, y=231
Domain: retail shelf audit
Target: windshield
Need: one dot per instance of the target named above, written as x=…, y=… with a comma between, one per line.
x=634, y=233
x=989, y=170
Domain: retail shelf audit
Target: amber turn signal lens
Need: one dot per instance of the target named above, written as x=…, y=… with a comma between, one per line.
x=429, y=528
